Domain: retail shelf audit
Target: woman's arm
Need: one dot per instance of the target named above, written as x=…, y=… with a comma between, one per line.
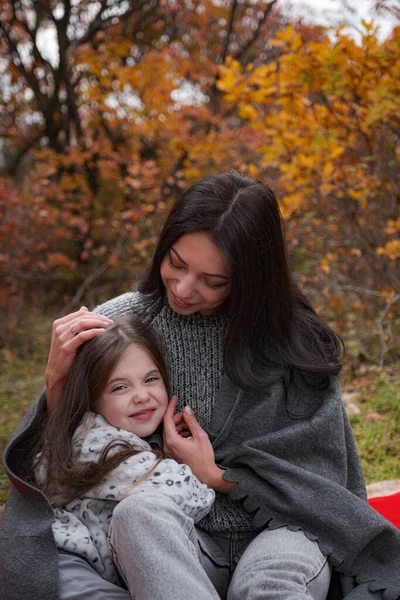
x=68, y=334
x=86, y=325
x=195, y=450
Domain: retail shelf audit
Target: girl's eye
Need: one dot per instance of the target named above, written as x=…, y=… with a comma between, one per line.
x=171, y=263
x=118, y=388
x=151, y=379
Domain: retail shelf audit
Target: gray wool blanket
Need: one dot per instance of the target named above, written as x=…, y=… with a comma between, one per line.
x=290, y=448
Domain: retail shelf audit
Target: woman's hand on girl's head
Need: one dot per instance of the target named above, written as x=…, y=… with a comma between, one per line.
x=195, y=450
x=68, y=334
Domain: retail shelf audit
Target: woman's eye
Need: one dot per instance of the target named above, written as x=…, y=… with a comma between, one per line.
x=172, y=264
x=212, y=286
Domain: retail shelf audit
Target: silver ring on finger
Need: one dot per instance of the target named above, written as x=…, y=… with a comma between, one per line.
x=72, y=329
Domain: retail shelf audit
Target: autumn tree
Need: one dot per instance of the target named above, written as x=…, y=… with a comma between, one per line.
x=328, y=113
x=107, y=110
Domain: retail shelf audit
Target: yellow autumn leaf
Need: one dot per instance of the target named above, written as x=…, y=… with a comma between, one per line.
x=227, y=81
x=355, y=194
x=247, y=111
x=297, y=42
x=328, y=170
x=324, y=266
x=275, y=42
x=287, y=34
x=393, y=226
x=391, y=250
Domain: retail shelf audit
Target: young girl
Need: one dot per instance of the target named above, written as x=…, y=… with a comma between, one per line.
x=93, y=452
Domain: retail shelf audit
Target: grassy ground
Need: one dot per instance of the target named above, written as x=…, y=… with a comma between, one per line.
x=21, y=380
x=376, y=429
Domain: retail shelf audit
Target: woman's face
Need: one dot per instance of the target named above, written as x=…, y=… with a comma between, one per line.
x=196, y=275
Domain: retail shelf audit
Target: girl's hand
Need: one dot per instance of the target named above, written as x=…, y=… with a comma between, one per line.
x=68, y=334
x=196, y=451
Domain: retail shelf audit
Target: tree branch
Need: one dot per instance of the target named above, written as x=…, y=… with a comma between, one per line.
x=229, y=30
x=379, y=326
x=29, y=76
x=11, y=169
x=92, y=277
x=99, y=24
x=33, y=35
x=143, y=17
x=250, y=42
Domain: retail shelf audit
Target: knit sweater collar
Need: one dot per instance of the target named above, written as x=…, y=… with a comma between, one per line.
x=195, y=319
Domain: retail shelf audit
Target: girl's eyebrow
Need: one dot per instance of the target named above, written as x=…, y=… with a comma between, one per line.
x=122, y=377
x=208, y=274
x=152, y=372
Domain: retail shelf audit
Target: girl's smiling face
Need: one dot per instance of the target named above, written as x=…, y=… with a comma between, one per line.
x=196, y=275
x=135, y=397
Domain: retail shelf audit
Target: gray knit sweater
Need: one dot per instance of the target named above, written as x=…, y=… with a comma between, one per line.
x=193, y=348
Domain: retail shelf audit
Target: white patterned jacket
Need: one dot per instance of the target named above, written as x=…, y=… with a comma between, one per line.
x=81, y=527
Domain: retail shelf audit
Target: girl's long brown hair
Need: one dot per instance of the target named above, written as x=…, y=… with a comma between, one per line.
x=66, y=478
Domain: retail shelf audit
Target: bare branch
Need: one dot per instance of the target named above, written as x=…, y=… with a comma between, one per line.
x=145, y=16
x=100, y=23
x=229, y=30
x=32, y=33
x=29, y=76
x=67, y=11
x=379, y=325
x=92, y=277
x=11, y=168
x=82, y=288
x=383, y=6
x=242, y=52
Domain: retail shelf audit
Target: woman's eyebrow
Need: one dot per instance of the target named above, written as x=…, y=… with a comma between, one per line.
x=178, y=255
x=208, y=274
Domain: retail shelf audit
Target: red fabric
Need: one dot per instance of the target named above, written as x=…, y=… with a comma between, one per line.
x=388, y=507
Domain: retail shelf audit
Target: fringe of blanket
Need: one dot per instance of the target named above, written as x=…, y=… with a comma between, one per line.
x=388, y=591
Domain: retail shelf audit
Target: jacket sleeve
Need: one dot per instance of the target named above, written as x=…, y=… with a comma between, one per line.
x=140, y=473
x=179, y=483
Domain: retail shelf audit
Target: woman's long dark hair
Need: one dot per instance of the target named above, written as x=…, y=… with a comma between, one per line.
x=272, y=322
x=66, y=478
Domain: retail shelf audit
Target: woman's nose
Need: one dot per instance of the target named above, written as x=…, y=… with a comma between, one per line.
x=184, y=288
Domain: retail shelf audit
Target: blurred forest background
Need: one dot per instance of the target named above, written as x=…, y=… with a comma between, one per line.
x=110, y=108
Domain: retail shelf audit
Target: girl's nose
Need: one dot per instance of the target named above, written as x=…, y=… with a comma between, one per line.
x=141, y=396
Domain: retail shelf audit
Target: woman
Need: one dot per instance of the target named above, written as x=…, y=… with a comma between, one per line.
x=246, y=351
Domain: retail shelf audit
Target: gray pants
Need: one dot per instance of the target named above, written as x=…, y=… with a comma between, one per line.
x=162, y=555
